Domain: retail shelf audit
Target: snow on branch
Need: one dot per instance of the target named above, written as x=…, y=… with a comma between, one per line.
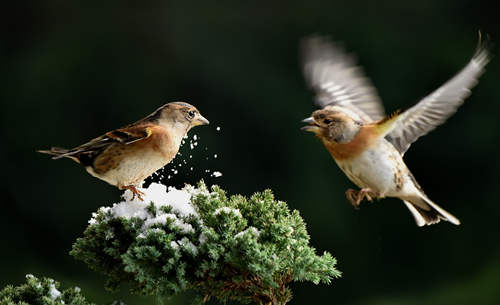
x=43, y=291
x=228, y=248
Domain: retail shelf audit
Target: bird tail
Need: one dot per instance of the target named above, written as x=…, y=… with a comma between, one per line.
x=427, y=212
x=59, y=152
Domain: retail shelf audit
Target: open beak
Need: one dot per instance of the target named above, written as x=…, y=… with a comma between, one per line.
x=312, y=127
x=200, y=120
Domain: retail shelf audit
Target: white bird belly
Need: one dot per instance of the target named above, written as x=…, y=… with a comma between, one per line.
x=133, y=169
x=380, y=168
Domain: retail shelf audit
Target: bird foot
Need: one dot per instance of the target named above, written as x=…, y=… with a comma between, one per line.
x=135, y=191
x=355, y=197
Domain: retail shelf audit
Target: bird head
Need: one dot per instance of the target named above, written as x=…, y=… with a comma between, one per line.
x=331, y=125
x=178, y=115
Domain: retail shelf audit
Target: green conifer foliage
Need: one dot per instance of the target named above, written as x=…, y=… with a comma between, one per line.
x=41, y=292
x=231, y=248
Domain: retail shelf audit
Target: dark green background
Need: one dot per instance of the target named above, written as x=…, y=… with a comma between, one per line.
x=72, y=70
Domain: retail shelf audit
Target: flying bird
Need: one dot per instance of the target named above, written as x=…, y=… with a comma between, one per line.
x=367, y=145
x=124, y=157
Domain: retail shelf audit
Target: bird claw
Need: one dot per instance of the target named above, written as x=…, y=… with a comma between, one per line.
x=355, y=197
x=135, y=192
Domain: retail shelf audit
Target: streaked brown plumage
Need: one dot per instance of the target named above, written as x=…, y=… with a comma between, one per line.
x=368, y=147
x=124, y=157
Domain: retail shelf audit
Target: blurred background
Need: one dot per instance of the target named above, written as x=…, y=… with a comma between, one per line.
x=73, y=70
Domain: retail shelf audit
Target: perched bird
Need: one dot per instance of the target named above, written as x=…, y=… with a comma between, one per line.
x=367, y=145
x=126, y=156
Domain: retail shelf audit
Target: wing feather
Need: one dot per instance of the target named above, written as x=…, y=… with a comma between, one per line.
x=337, y=81
x=436, y=108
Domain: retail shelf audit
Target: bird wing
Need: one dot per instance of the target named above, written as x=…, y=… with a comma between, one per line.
x=88, y=151
x=434, y=109
x=128, y=135
x=336, y=79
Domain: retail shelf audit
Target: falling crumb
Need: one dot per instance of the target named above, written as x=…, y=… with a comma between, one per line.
x=195, y=137
x=218, y=128
x=215, y=156
x=216, y=174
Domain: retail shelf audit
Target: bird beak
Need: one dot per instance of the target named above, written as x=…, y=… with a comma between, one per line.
x=200, y=120
x=309, y=120
x=312, y=127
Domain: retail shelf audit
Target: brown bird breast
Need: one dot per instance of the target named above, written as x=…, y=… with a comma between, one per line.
x=363, y=140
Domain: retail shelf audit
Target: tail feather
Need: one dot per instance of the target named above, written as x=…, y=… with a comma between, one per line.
x=59, y=152
x=429, y=216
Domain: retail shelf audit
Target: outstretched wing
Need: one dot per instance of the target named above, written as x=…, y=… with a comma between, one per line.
x=336, y=79
x=434, y=109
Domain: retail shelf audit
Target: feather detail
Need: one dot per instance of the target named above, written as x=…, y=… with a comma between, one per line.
x=387, y=124
x=130, y=135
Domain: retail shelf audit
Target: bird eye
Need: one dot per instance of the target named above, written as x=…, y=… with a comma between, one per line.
x=327, y=121
x=191, y=114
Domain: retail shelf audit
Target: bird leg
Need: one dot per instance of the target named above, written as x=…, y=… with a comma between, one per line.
x=135, y=191
x=355, y=197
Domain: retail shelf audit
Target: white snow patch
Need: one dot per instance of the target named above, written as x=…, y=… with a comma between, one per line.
x=227, y=210
x=178, y=200
x=188, y=245
x=185, y=227
x=174, y=245
x=160, y=219
x=130, y=209
x=53, y=292
x=248, y=230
